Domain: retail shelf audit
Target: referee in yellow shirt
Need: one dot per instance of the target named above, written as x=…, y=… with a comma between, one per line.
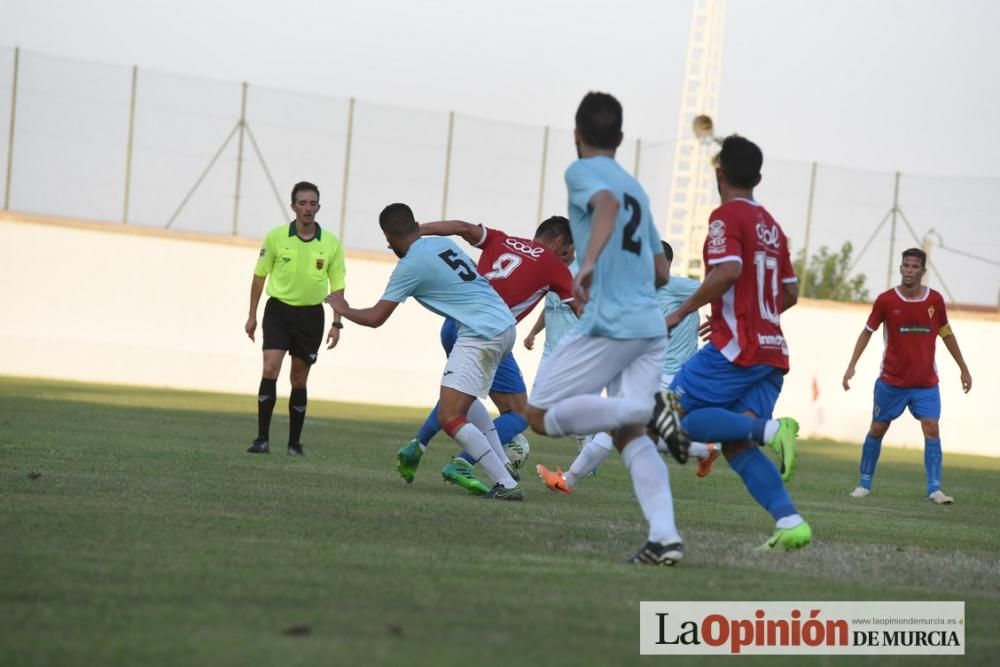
x=305, y=263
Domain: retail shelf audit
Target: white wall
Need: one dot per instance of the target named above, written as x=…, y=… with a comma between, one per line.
x=108, y=303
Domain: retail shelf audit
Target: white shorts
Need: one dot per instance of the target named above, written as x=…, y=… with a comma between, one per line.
x=666, y=379
x=473, y=362
x=587, y=364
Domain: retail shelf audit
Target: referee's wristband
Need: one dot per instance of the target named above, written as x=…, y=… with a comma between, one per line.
x=337, y=325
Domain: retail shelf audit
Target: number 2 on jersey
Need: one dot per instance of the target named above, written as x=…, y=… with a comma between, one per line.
x=629, y=243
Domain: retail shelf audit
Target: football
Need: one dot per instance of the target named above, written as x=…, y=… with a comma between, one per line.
x=518, y=450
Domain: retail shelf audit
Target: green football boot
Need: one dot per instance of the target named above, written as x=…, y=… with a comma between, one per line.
x=409, y=459
x=784, y=445
x=499, y=492
x=459, y=472
x=789, y=538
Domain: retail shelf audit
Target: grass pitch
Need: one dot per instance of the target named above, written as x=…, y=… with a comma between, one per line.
x=134, y=530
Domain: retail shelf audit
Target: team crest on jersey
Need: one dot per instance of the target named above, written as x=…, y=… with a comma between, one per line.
x=716, y=237
x=319, y=263
x=930, y=312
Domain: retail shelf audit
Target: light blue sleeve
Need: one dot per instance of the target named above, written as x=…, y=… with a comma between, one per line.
x=583, y=183
x=402, y=283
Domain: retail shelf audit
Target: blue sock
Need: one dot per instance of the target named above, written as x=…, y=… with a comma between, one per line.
x=763, y=482
x=430, y=428
x=508, y=425
x=719, y=425
x=869, y=459
x=932, y=464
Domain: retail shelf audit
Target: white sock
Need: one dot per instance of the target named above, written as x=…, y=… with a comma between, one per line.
x=479, y=416
x=651, y=482
x=699, y=450
x=592, y=455
x=591, y=414
x=790, y=521
x=474, y=442
x=771, y=430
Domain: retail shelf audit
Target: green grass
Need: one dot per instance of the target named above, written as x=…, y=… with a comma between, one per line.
x=151, y=538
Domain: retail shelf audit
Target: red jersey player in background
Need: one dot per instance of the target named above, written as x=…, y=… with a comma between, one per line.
x=728, y=389
x=912, y=316
x=522, y=271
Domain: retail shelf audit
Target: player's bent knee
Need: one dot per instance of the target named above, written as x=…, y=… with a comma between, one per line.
x=930, y=428
x=536, y=419
x=878, y=429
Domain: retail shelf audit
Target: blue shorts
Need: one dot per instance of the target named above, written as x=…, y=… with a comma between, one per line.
x=890, y=401
x=508, y=379
x=709, y=380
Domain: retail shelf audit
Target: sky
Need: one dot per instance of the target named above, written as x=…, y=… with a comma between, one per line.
x=878, y=85
x=910, y=85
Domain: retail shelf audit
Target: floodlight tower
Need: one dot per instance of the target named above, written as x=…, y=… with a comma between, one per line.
x=692, y=184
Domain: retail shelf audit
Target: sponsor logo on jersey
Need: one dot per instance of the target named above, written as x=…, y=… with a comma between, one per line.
x=773, y=340
x=768, y=235
x=914, y=329
x=524, y=248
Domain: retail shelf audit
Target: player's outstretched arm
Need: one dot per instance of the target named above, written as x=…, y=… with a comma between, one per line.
x=470, y=233
x=951, y=343
x=367, y=317
x=859, y=347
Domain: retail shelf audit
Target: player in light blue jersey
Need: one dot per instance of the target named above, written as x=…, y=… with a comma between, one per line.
x=620, y=341
x=681, y=346
x=443, y=279
x=556, y=319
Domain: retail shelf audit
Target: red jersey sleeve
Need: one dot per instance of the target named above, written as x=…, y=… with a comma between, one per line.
x=941, y=314
x=723, y=243
x=787, y=269
x=878, y=314
x=490, y=237
x=562, y=279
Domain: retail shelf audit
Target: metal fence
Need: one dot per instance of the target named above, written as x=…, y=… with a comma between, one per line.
x=148, y=148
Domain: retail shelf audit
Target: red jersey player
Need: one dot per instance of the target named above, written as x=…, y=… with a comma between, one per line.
x=912, y=317
x=728, y=389
x=522, y=271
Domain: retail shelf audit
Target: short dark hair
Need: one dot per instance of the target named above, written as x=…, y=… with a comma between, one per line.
x=304, y=186
x=553, y=227
x=599, y=120
x=668, y=252
x=397, y=220
x=740, y=160
x=918, y=253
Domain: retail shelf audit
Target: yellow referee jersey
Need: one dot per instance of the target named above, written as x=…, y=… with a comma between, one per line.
x=301, y=272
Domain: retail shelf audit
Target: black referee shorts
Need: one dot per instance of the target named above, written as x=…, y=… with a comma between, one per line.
x=297, y=329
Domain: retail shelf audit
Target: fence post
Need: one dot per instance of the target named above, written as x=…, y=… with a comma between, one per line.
x=239, y=158
x=447, y=165
x=128, y=149
x=347, y=168
x=892, y=232
x=804, y=282
x=10, y=134
x=638, y=153
x=541, y=178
